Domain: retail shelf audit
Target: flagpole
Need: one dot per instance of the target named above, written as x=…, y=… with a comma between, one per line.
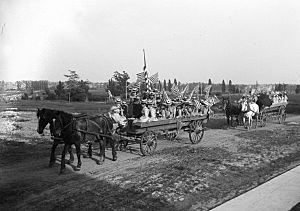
x=126, y=89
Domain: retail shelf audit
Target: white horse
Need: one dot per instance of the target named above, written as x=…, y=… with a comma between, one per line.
x=250, y=110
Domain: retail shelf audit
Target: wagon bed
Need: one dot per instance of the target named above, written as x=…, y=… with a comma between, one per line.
x=275, y=111
x=145, y=133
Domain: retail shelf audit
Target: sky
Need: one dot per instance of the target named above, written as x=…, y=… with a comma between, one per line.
x=246, y=41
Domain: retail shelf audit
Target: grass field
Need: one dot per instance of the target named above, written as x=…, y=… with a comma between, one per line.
x=102, y=107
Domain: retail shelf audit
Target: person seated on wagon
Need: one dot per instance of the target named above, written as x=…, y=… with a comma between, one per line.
x=285, y=98
x=275, y=99
x=179, y=110
x=145, y=112
x=185, y=111
x=118, y=103
x=152, y=110
x=168, y=109
x=120, y=121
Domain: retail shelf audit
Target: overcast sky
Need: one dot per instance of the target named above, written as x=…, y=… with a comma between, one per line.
x=190, y=40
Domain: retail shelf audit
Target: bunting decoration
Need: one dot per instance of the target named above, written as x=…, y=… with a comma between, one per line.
x=175, y=90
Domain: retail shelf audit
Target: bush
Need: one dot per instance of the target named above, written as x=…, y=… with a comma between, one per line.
x=51, y=96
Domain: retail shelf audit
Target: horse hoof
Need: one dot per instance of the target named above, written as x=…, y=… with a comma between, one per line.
x=114, y=158
x=77, y=168
x=99, y=162
x=69, y=161
x=62, y=171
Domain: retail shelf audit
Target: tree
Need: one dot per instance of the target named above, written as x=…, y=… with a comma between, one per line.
x=60, y=91
x=165, y=85
x=77, y=89
x=159, y=86
x=118, y=83
x=169, y=85
x=229, y=86
x=297, y=90
x=223, y=87
x=72, y=79
x=209, y=82
x=175, y=81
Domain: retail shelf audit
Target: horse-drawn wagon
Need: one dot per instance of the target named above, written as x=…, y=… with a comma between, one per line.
x=146, y=133
x=275, y=111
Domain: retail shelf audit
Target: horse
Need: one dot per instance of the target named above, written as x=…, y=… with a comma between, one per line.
x=75, y=130
x=250, y=110
x=232, y=109
x=55, y=131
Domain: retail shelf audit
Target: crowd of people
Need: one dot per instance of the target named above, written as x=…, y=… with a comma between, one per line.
x=154, y=106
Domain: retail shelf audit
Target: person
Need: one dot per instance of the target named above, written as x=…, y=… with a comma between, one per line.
x=169, y=109
x=152, y=110
x=120, y=121
x=118, y=103
x=145, y=111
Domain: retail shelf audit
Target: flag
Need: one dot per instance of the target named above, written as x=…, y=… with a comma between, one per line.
x=135, y=85
x=175, y=90
x=144, y=68
x=195, y=90
x=165, y=97
x=141, y=76
x=207, y=88
x=154, y=78
x=184, y=91
x=197, y=104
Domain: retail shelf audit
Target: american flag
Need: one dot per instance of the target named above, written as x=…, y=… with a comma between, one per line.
x=141, y=76
x=165, y=97
x=175, y=90
x=154, y=78
x=134, y=85
x=197, y=104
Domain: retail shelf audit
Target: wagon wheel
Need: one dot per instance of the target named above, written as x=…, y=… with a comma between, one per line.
x=281, y=115
x=123, y=145
x=196, y=131
x=148, y=143
x=263, y=119
x=171, y=135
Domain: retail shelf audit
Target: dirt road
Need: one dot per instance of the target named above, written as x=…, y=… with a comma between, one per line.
x=133, y=182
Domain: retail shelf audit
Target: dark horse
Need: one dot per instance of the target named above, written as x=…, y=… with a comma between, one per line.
x=232, y=109
x=76, y=130
x=55, y=131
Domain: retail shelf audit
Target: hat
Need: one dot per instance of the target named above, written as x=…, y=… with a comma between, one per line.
x=150, y=102
x=114, y=108
x=118, y=100
x=144, y=101
x=134, y=90
x=168, y=102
